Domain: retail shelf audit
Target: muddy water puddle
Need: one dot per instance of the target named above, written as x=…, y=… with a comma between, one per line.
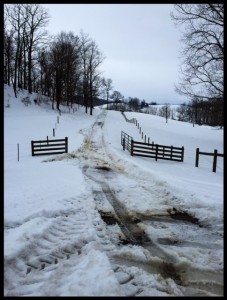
x=203, y=284
x=156, y=266
x=103, y=168
x=108, y=218
x=164, y=262
x=178, y=214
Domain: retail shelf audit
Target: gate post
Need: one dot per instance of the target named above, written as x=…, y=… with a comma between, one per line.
x=215, y=160
x=182, y=154
x=32, y=148
x=156, y=152
x=66, y=144
x=132, y=147
x=197, y=157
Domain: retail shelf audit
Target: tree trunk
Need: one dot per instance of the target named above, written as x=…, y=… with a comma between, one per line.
x=30, y=71
x=91, y=98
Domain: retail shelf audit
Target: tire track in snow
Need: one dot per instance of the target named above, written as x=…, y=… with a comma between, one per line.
x=97, y=159
x=64, y=239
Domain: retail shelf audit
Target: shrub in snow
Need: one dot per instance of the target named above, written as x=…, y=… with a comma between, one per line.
x=26, y=101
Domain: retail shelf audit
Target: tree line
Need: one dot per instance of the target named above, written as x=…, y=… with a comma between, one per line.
x=195, y=112
x=64, y=67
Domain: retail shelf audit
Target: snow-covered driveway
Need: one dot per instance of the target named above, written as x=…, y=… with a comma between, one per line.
x=173, y=242
x=127, y=235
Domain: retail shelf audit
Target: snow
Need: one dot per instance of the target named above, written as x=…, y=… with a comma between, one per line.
x=56, y=240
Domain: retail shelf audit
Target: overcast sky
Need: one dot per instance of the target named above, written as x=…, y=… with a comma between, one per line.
x=139, y=41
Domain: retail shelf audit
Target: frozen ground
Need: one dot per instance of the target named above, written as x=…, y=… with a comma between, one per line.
x=98, y=222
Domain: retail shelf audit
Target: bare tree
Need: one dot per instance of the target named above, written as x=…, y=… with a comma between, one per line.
x=165, y=111
x=57, y=55
x=37, y=18
x=206, y=112
x=8, y=56
x=24, y=21
x=203, y=51
x=107, y=84
x=85, y=40
x=15, y=17
x=91, y=60
x=95, y=59
x=66, y=67
x=183, y=113
x=134, y=103
x=117, y=98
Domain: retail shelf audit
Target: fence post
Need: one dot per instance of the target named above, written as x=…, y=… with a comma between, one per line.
x=142, y=135
x=215, y=160
x=148, y=140
x=32, y=148
x=53, y=132
x=140, y=129
x=136, y=122
x=138, y=125
x=197, y=157
x=156, y=152
x=145, y=138
x=18, y=152
x=171, y=152
x=182, y=155
x=58, y=119
x=66, y=144
x=124, y=144
x=131, y=147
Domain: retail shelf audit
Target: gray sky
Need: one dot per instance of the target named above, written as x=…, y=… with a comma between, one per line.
x=140, y=42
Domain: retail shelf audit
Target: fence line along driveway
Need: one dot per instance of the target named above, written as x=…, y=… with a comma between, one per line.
x=47, y=147
x=151, y=150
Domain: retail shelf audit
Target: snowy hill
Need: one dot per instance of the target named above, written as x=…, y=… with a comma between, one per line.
x=98, y=222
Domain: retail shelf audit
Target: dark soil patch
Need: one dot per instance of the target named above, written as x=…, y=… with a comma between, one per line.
x=167, y=241
x=124, y=241
x=182, y=215
x=108, y=218
x=103, y=168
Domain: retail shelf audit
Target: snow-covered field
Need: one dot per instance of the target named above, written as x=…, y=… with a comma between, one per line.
x=98, y=222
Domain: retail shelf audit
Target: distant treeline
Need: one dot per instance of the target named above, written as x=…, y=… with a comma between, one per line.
x=201, y=112
x=65, y=68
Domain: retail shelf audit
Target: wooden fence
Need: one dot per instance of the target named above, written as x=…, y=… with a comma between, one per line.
x=151, y=150
x=126, y=141
x=157, y=151
x=47, y=147
x=215, y=155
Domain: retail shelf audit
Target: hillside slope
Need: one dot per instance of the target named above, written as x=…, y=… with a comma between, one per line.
x=96, y=221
